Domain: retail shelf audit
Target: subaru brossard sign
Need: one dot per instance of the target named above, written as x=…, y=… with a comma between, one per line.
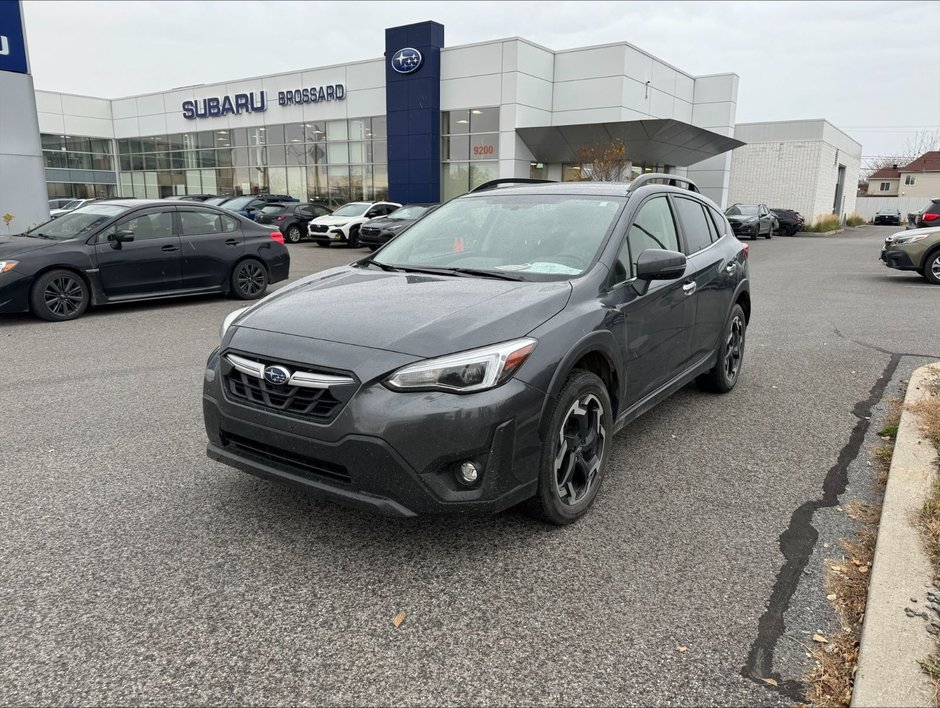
x=257, y=101
x=407, y=60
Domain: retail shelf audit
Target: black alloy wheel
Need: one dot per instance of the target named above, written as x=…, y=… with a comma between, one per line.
x=249, y=280
x=932, y=268
x=59, y=295
x=727, y=370
x=574, y=457
x=293, y=234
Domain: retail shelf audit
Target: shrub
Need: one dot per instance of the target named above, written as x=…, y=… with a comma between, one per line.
x=855, y=220
x=823, y=224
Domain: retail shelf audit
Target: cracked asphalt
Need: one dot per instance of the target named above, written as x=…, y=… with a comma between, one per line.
x=135, y=571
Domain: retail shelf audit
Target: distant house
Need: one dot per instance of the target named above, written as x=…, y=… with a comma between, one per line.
x=920, y=178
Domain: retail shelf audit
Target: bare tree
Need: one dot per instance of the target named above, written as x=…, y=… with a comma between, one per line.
x=922, y=141
x=603, y=162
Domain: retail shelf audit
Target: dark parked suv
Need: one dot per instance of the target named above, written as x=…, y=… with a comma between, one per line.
x=926, y=217
x=487, y=355
x=291, y=219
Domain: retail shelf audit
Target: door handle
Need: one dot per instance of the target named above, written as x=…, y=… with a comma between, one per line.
x=688, y=288
x=231, y=242
x=168, y=248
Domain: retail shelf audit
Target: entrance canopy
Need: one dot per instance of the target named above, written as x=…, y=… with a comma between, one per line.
x=654, y=141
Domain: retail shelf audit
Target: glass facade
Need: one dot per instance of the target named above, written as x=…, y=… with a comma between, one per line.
x=469, y=149
x=77, y=166
x=333, y=161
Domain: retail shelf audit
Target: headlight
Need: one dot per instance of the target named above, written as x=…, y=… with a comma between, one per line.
x=231, y=317
x=475, y=370
x=7, y=265
x=910, y=239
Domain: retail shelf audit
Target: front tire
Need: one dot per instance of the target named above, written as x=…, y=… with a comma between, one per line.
x=293, y=234
x=574, y=457
x=249, y=280
x=727, y=371
x=59, y=296
x=932, y=268
x=353, y=239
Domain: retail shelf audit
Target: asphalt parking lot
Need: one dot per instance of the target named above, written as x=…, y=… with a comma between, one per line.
x=134, y=570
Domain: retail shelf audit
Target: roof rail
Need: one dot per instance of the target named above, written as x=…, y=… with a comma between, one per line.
x=671, y=180
x=493, y=183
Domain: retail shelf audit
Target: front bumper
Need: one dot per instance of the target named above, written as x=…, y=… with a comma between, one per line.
x=897, y=259
x=390, y=452
x=326, y=234
x=887, y=220
x=743, y=229
x=14, y=292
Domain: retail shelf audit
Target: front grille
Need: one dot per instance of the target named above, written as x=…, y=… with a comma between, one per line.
x=320, y=228
x=293, y=462
x=317, y=404
x=368, y=231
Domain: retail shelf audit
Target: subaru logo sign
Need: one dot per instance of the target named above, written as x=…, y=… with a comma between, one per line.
x=277, y=375
x=406, y=60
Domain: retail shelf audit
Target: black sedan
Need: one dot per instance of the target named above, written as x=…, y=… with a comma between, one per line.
x=888, y=217
x=291, y=219
x=136, y=249
x=378, y=232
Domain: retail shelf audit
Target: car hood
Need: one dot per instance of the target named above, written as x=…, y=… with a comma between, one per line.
x=334, y=220
x=384, y=222
x=410, y=313
x=13, y=246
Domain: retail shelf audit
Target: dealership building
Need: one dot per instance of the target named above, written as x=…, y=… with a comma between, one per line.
x=423, y=123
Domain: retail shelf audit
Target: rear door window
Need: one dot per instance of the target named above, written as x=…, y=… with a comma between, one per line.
x=695, y=226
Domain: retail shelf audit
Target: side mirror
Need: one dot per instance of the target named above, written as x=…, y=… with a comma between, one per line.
x=655, y=264
x=120, y=237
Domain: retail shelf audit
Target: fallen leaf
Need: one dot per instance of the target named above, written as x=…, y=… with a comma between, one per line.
x=831, y=597
x=680, y=648
x=398, y=619
x=770, y=681
x=820, y=638
x=863, y=569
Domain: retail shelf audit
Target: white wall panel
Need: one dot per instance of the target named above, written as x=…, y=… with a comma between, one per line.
x=664, y=78
x=370, y=102
x=93, y=127
x=534, y=61
x=127, y=128
x=88, y=107
x=532, y=91
x=635, y=96
x=154, y=125
x=662, y=105
x=589, y=93
x=595, y=115
x=637, y=65
x=124, y=108
x=581, y=64
x=477, y=60
x=47, y=102
x=685, y=87
x=682, y=111
x=51, y=123
x=708, y=115
x=367, y=75
x=711, y=89
x=471, y=92
x=150, y=105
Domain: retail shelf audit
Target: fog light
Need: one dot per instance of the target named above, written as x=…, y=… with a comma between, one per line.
x=468, y=473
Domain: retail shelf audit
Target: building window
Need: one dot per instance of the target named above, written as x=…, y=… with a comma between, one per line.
x=909, y=179
x=885, y=187
x=469, y=149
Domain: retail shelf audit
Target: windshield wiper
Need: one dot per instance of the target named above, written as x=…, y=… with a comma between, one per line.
x=458, y=271
x=383, y=266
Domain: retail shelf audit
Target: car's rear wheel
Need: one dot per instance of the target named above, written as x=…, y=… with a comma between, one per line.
x=574, y=457
x=932, y=268
x=59, y=295
x=249, y=280
x=293, y=234
x=353, y=239
x=727, y=370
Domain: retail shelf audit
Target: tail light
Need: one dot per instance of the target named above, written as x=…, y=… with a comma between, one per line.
x=930, y=217
x=747, y=249
x=277, y=236
x=281, y=218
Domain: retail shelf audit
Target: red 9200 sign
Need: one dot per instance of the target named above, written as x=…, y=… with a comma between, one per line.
x=483, y=149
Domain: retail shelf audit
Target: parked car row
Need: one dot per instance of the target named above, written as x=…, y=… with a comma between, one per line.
x=755, y=220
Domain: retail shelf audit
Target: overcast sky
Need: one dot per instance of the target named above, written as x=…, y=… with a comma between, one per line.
x=868, y=67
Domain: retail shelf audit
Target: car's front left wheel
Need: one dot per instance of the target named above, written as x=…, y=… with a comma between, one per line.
x=574, y=457
x=59, y=295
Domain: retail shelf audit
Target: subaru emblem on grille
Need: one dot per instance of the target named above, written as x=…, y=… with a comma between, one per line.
x=276, y=375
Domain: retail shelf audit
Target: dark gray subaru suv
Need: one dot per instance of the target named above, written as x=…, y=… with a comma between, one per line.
x=488, y=354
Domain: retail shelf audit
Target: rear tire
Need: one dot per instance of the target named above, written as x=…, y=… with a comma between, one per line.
x=574, y=457
x=727, y=370
x=293, y=234
x=59, y=296
x=932, y=268
x=249, y=280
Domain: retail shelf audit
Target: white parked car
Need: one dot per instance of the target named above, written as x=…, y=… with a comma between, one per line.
x=71, y=206
x=342, y=226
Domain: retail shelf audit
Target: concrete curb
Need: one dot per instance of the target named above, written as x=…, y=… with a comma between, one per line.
x=892, y=643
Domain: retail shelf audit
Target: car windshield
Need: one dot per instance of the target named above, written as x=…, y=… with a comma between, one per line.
x=741, y=210
x=526, y=237
x=408, y=212
x=889, y=211
x=77, y=223
x=352, y=209
x=238, y=203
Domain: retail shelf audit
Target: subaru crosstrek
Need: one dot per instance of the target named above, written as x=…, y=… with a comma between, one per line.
x=487, y=355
